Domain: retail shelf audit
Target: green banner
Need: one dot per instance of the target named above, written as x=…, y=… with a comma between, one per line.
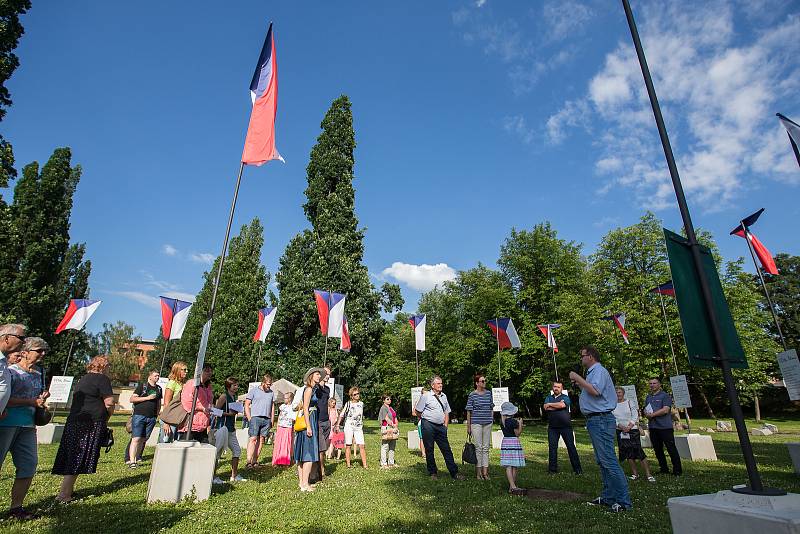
x=696, y=327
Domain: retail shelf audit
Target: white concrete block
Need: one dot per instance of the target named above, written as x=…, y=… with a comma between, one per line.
x=772, y=428
x=761, y=432
x=561, y=444
x=794, y=452
x=48, y=434
x=153, y=439
x=695, y=447
x=727, y=512
x=645, y=437
x=497, y=439
x=413, y=441
x=181, y=469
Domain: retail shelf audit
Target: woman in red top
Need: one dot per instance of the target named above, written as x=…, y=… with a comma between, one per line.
x=202, y=411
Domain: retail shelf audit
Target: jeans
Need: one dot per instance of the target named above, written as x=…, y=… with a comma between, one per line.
x=569, y=440
x=482, y=437
x=142, y=426
x=615, y=486
x=666, y=436
x=387, y=449
x=433, y=433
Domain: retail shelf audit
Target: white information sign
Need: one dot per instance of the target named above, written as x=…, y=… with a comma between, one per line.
x=60, y=387
x=416, y=394
x=630, y=395
x=680, y=391
x=162, y=382
x=499, y=396
x=331, y=383
x=339, y=394
x=790, y=369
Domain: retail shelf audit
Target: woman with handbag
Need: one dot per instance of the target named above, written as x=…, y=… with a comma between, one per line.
x=480, y=416
x=389, y=432
x=18, y=428
x=225, y=436
x=306, y=444
x=86, y=429
x=629, y=439
x=177, y=377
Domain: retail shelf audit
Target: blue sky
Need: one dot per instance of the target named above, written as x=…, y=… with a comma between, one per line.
x=470, y=118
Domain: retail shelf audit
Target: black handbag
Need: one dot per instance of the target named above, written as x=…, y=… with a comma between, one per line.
x=469, y=455
x=108, y=440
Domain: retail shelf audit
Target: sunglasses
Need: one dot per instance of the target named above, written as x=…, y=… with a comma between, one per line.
x=21, y=338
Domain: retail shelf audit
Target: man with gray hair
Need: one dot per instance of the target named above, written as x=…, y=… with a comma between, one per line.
x=434, y=410
x=12, y=336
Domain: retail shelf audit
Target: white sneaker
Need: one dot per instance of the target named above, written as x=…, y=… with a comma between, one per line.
x=217, y=480
x=238, y=478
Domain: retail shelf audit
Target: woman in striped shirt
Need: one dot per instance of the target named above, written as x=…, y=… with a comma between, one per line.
x=479, y=424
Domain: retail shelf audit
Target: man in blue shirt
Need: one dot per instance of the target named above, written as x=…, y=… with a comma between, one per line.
x=658, y=409
x=559, y=425
x=598, y=399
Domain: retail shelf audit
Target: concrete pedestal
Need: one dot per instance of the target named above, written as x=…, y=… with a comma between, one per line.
x=645, y=437
x=181, y=469
x=413, y=440
x=561, y=444
x=695, y=447
x=48, y=434
x=152, y=441
x=497, y=439
x=794, y=452
x=727, y=512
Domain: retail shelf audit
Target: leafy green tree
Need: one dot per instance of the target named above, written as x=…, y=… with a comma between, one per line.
x=10, y=32
x=241, y=293
x=329, y=256
x=118, y=342
x=785, y=292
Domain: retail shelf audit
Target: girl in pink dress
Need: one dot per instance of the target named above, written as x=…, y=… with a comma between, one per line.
x=282, y=450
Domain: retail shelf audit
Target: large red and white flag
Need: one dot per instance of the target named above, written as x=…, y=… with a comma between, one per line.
x=764, y=255
x=259, y=145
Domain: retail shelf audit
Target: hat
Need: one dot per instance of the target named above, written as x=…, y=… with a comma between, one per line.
x=508, y=408
x=311, y=371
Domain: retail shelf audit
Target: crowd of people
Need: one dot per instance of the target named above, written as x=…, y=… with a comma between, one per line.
x=309, y=427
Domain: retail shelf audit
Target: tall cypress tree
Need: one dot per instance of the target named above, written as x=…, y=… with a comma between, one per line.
x=329, y=256
x=241, y=293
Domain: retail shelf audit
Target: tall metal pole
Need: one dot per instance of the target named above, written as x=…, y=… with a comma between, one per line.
x=674, y=359
x=163, y=357
x=756, y=485
x=763, y=285
x=416, y=358
x=215, y=291
x=499, y=368
x=258, y=361
x=327, y=330
x=555, y=365
x=69, y=354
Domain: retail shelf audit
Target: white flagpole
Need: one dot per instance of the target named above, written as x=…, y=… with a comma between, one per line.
x=258, y=361
x=163, y=356
x=499, y=368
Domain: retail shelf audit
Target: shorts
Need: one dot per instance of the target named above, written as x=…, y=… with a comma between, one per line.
x=324, y=435
x=259, y=426
x=142, y=426
x=350, y=433
x=20, y=441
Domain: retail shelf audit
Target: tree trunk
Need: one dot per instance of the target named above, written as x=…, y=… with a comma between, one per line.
x=706, y=403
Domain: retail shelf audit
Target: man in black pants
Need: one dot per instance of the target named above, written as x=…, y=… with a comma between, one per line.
x=559, y=425
x=434, y=410
x=658, y=407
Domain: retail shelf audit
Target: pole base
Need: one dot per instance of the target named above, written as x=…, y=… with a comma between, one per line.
x=766, y=492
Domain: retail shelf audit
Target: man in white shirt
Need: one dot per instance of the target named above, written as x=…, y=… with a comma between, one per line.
x=12, y=336
x=434, y=410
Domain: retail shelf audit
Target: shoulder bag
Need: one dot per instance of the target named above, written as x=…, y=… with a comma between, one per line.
x=469, y=455
x=173, y=413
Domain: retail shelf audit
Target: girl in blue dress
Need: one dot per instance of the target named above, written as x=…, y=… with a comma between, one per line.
x=306, y=444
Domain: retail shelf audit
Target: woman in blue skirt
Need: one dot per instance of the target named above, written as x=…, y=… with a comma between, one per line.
x=306, y=443
x=512, y=457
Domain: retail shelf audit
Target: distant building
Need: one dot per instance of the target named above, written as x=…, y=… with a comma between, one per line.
x=144, y=352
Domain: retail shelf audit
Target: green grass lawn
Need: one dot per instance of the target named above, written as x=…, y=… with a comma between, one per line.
x=399, y=500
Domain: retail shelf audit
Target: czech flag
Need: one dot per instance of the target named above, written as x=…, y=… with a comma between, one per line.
x=764, y=255
x=793, y=131
x=667, y=288
x=174, y=314
x=78, y=313
x=505, y=332
x=266, y=316
x=259, y=145
x=345, y=344
x=547, y=330
x=619, y=320
x=418, y=324
x=330, y=308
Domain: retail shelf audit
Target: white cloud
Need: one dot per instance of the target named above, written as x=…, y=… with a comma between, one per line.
x=137, y=296
x=518, y=126
x=202, y=257
x=480, y=3
x=717, y=86
x=420, y=277
x=188, y=297
x=573, y=114
x=565, y=18
x=169, y=250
